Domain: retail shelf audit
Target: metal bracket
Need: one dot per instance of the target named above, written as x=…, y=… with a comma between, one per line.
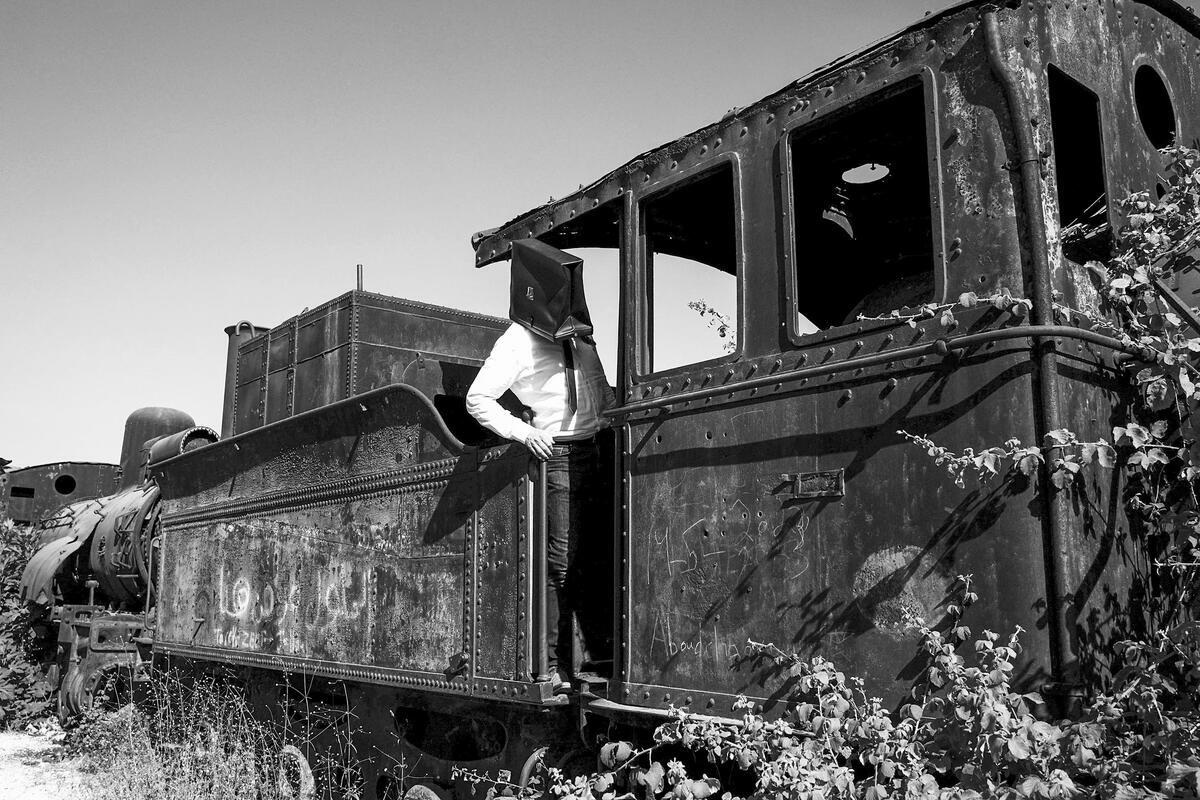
x=457, y=664
x=810, y=485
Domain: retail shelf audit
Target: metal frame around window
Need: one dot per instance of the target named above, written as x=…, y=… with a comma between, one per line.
x=893, y=84
x=642, y=306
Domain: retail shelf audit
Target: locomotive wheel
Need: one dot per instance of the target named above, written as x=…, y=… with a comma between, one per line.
x=105, y=684
x=295, y=780
x=70, y=696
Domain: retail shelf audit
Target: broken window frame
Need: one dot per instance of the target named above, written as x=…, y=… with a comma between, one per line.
x=847, y=105
x=1105, y=168
x=643, y=282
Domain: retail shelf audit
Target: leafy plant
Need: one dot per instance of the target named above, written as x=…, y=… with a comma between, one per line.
x=718, y=322
x=24, y=694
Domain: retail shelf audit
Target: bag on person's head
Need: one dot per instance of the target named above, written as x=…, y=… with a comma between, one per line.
x=546, y=293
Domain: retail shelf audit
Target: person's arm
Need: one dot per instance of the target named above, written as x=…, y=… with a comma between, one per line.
x=497, y=375
x=608, y=395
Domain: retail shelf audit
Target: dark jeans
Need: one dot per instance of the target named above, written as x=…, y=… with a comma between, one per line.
x=578, y=551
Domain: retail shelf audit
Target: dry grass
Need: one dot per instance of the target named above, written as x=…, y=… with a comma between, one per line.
x=190, y=740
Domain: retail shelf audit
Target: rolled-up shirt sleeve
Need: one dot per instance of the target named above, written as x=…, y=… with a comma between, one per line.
x=497, y=375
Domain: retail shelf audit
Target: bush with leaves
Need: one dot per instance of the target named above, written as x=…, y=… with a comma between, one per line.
x=24, y=694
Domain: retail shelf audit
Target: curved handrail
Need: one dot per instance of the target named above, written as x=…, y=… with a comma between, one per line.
x=940, y=346
x=454, y=444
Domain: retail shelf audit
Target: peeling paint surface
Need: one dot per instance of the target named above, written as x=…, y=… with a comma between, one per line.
x=897, y=588
x=369, y=561
x=723, y=553
x=278, y=587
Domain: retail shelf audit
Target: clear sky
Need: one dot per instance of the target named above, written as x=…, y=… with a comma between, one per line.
x=169, y=168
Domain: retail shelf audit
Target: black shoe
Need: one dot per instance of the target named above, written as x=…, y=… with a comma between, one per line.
x=558, y=684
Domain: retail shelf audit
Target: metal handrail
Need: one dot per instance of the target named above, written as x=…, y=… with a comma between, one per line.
x=541, y=661
x=942, y=346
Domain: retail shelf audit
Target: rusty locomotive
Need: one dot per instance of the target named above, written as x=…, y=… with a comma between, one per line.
x=356, y=527
x=32, y=493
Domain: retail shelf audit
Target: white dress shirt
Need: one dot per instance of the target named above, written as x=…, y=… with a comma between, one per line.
x=535, y=371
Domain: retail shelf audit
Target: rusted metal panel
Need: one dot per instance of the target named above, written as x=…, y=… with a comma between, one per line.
x=34, y=493
x=442, y=333
x=120, y=541
x=61, y=536
x=746, y=558
x=385, y=590
x=252, y=359
x=355, y=539
x=250, y=395
x=1106, y=573
x=502, y=573
x=321, y=380
x=351, y=344
x=280, y=385
x=237, y=334
x=327, y=328
x=811, y=485
x=281, y=347
x=250, y=410
x=1103, y=48
x=392, y=429
x=275, y=587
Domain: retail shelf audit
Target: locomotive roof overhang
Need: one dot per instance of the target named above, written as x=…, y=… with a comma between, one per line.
x=56, y=464
x=800, y=95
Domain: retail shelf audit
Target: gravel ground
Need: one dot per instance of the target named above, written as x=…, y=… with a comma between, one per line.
x=29, y=769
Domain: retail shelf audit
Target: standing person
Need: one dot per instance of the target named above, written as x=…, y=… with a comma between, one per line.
x=548, y=359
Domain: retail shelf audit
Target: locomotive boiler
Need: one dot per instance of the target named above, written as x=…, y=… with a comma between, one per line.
x=355, y=527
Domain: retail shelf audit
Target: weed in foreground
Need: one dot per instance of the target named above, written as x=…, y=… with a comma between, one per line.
x=193, y=740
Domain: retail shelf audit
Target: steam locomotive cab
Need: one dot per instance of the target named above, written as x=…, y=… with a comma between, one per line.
x=765, y=492
x=781, y=281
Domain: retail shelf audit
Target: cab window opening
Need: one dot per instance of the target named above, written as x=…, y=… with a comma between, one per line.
x=863, y=219
x=690, y=251
x=1079, y=168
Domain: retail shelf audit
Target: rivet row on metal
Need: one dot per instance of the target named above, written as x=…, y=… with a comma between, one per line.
x=323, y=668
x=811, y=94
x=419, y=476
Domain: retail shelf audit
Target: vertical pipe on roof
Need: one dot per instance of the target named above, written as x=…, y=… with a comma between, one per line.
x=1029, y=167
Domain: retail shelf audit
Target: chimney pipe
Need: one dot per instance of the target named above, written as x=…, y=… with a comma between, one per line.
x=360, y=277
x=141, y=426
x=242, y=332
